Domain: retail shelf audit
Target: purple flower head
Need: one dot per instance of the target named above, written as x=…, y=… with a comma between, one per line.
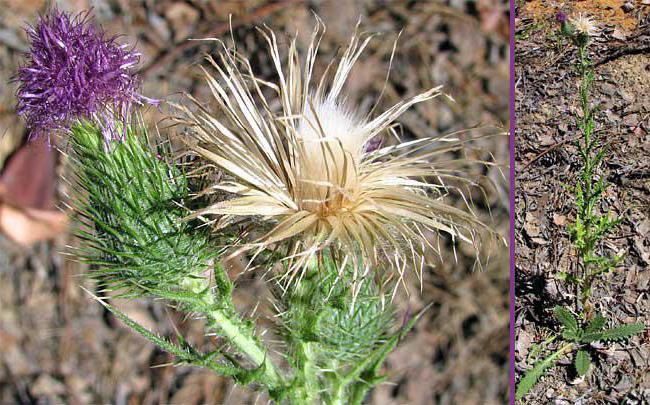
x=74, y=71
x=561, y=17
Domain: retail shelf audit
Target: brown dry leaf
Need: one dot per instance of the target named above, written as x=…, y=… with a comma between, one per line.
x=559, y=220
x=540, y=241
x=532, y=226
x=27, y=226
x=27, y=187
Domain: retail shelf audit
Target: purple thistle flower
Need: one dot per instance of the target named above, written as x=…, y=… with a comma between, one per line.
x=74, y=71
x=561, y=17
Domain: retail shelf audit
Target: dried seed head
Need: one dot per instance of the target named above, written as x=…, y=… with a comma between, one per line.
x=313, y=169
x=584, y=25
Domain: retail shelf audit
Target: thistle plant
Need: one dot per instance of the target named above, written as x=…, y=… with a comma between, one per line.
x=306, y=191
x=580, y=327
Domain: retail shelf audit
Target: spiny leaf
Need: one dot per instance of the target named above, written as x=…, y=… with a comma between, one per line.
x=618, y=333
x=566, y=318
x=246, y=377
x=596, y=325
x=323, y=308
x=132, y=206
x=582, y=362
x=373, y=362
x=534, y=374
x=572, y=335
x=185, y=353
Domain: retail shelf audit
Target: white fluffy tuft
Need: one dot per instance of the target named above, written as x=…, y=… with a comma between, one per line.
x=330, y=121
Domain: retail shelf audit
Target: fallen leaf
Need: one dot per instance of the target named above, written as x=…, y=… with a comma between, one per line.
x=559, y=220
x=540, y=241
x=532, y=226
x=27, y=226
x=27, y=188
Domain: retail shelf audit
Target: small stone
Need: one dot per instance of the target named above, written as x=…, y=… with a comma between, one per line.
x=608, y=88
x=627, y=96
x=627, y=6
x=631, y=120
x=619, y=34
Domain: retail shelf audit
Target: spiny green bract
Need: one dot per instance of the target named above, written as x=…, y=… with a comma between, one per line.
x=324, y=309
x=132, y=209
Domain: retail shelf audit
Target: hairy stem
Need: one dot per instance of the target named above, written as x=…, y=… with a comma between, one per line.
x=310, y=390
x=586, y=178
x=234, y=329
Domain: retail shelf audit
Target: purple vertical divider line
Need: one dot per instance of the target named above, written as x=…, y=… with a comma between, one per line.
x=512, y=201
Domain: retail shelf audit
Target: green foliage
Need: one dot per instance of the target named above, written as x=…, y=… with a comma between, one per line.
x=536, y=349
x=570, y=323
x=184, y=353
x=531, y=376
x=332, y=324
x=325, y=308
x=582, y=362
x=578, y=336
x=596, y=324
x=590, y=226
x=594, y=330
x=132, y=205
x=617, y=333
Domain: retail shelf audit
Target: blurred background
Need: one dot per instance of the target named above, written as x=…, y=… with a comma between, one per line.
x=58, y=346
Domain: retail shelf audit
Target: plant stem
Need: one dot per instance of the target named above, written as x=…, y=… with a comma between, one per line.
x=246, y=344
x=234, y=329
x=309, y=392
x=586, y=177
x=359, y=393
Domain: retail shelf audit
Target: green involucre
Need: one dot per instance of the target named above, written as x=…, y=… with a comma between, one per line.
x=132, y=203
x=325, y=308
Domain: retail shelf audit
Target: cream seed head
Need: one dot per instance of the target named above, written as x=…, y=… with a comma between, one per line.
x=584, y=25
x=312, y=171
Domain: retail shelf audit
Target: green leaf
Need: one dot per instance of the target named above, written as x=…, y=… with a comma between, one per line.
x=566, y=276
x=618, y=333
x=582, y=362
x=596, y=325
x=566, y=318
x=572, y=335
x=184, y=353
x=530, y=378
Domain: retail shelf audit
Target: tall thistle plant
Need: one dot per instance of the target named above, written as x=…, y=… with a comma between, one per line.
x=306, y=192
x=580, y=325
